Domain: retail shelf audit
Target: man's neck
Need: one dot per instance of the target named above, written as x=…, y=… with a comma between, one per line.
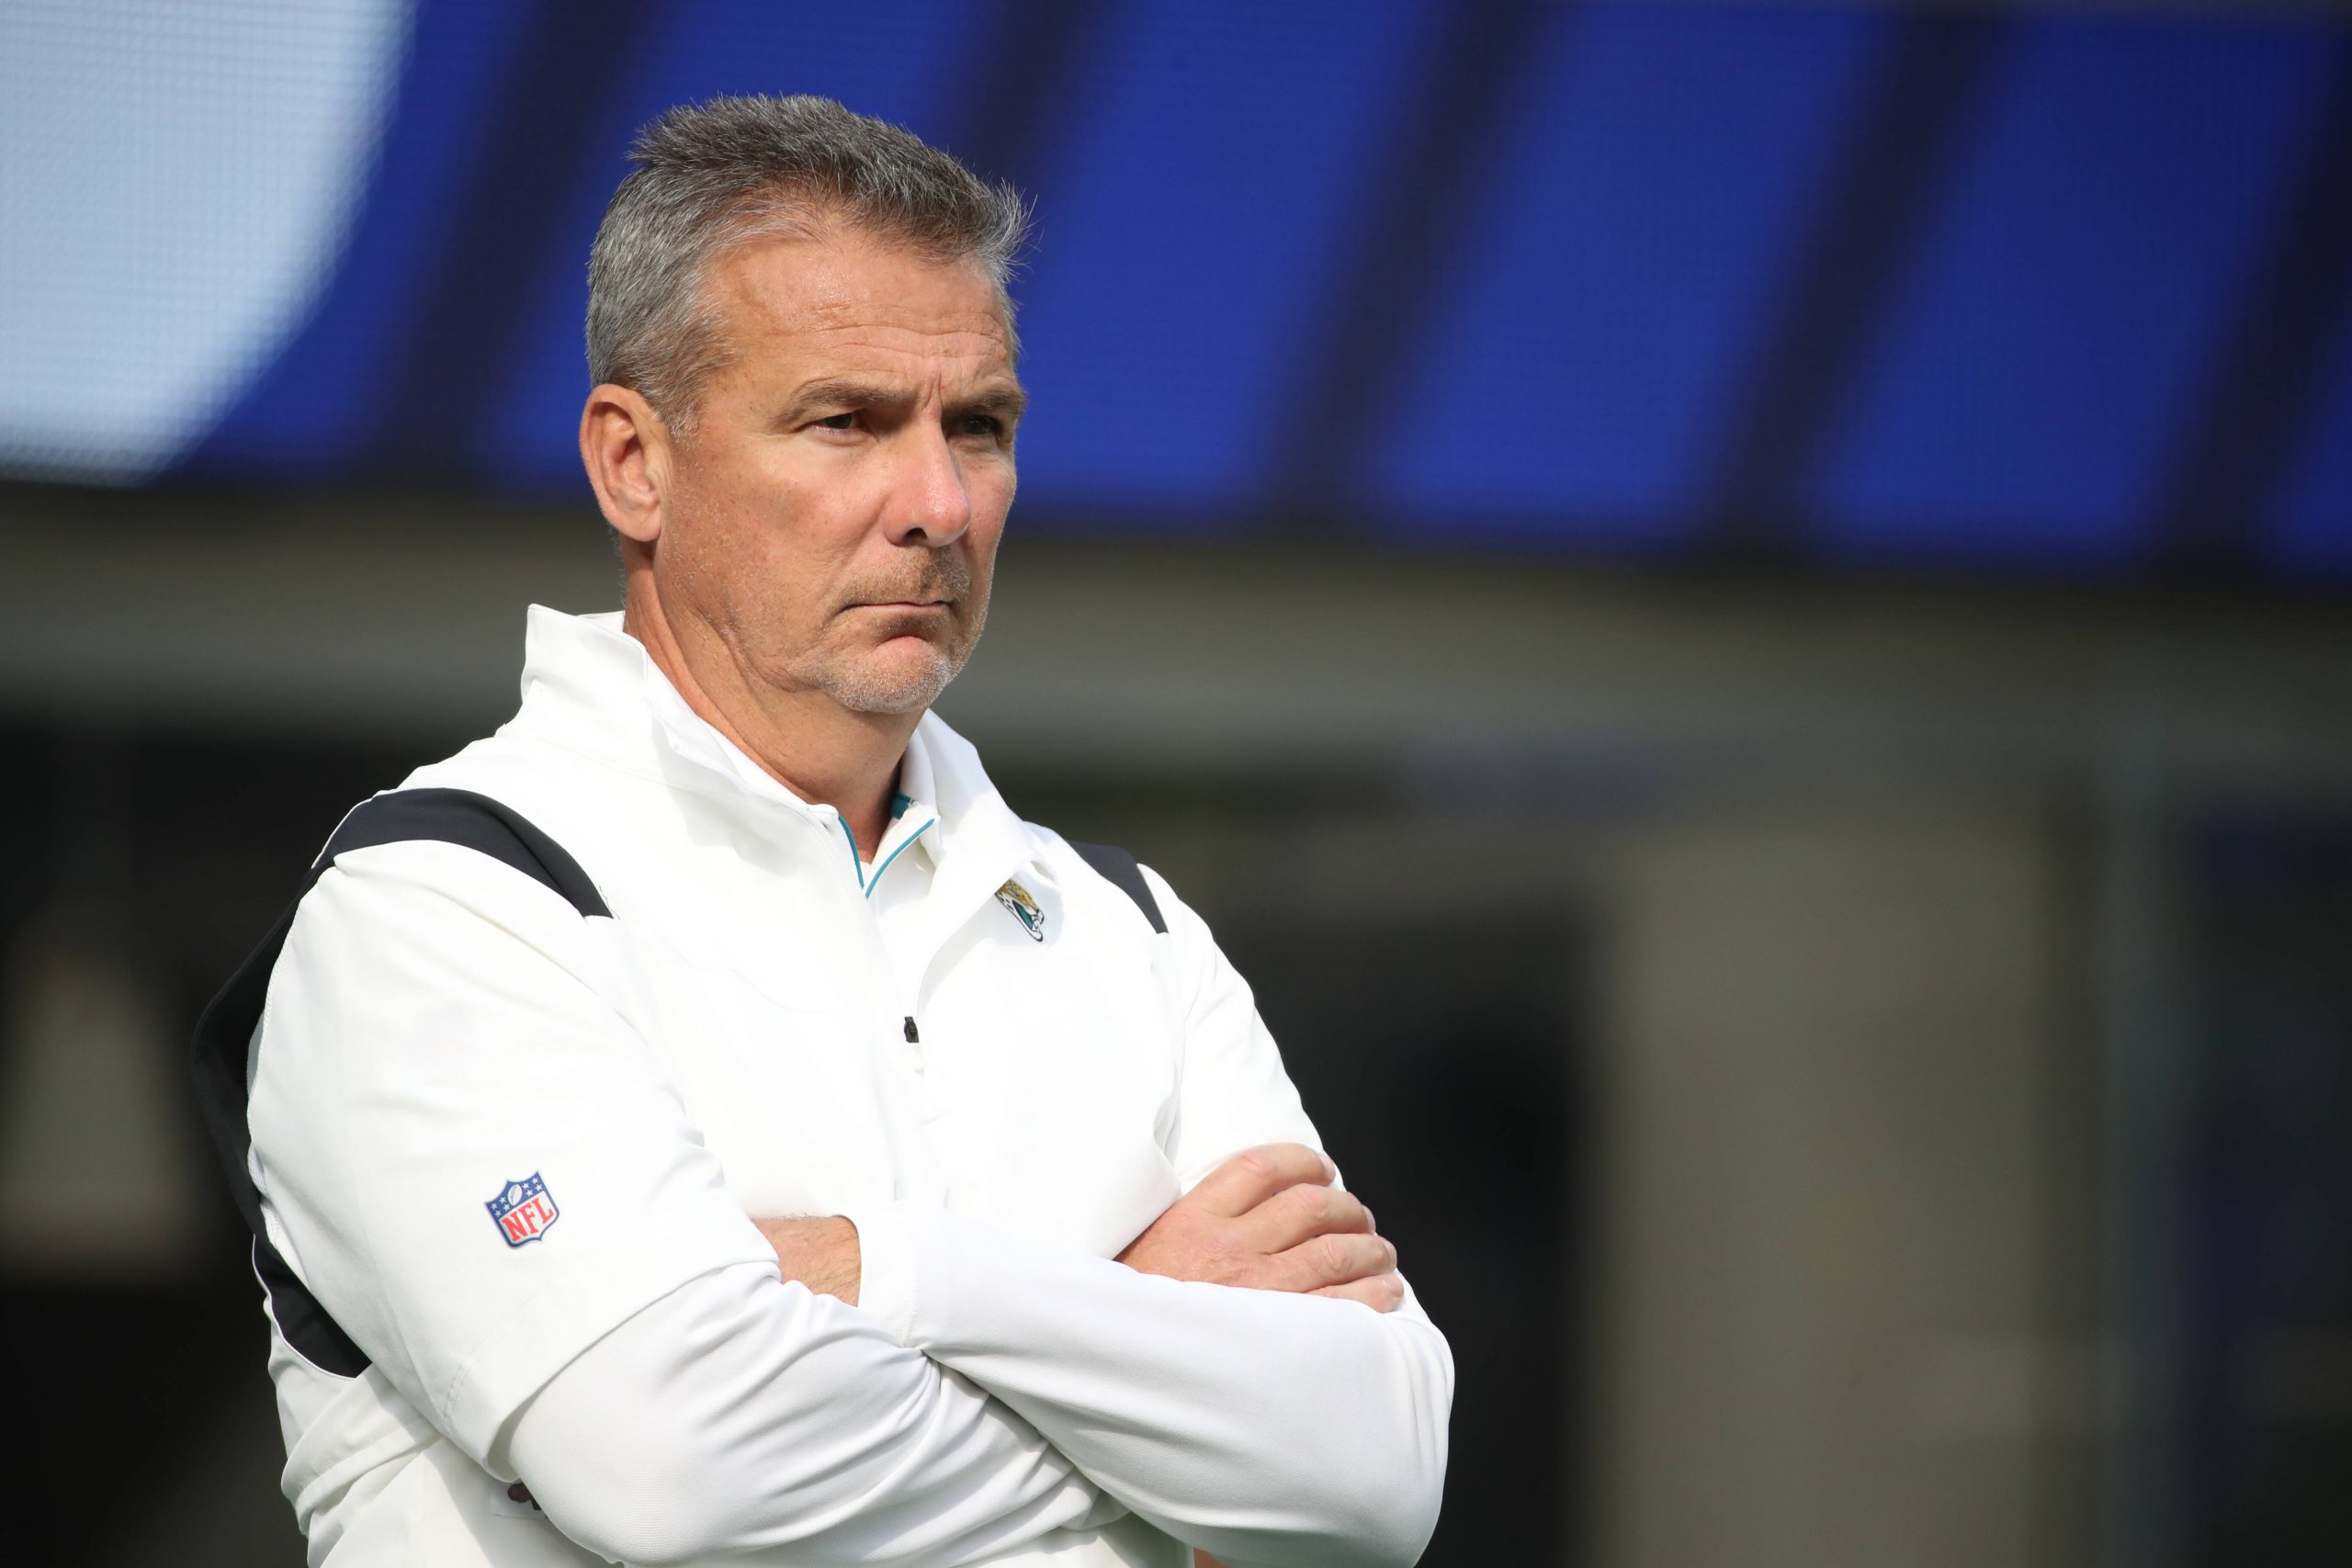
x=805, y=740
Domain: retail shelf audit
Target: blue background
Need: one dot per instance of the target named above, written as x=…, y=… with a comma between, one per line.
x=1868, y=285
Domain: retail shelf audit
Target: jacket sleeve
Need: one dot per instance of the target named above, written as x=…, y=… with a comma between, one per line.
x=430, y=1038
x=1270, y=1430
x=777, y=1426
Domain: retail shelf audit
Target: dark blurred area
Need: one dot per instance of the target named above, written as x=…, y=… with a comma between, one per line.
x=1736, y=612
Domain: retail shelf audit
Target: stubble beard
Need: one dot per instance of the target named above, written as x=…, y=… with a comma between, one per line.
x=864, y=681
x=865, y=684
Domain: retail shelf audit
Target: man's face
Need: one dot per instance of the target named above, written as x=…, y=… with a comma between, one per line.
x=833, y=509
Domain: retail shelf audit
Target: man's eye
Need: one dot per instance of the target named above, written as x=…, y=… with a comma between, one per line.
x=979, y=424
x=839, y=421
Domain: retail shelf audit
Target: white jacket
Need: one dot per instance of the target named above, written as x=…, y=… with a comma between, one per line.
x=514, y=1151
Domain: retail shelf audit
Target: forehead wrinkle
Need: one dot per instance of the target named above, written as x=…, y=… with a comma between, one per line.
x=858, y=329
x=880, y=352
x=877, y=335
x=856, y=337
x=818, y=297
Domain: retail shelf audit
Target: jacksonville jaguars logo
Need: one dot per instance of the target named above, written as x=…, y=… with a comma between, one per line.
x=1023, y=908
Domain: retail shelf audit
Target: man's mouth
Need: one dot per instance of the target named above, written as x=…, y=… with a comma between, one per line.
x=938, y=591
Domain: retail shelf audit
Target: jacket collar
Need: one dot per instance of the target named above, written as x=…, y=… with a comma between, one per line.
x=591, y=687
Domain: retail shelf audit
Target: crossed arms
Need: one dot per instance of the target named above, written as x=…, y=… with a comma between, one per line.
x=1268, y=1219
x=680, y=1384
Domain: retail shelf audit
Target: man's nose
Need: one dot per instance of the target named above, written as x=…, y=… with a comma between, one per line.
x=930, y=506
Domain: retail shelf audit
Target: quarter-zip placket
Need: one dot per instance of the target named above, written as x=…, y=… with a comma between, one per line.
x=894, y=1007
x=909, y=821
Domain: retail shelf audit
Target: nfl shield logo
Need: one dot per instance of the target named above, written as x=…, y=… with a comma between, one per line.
x=525, y=1210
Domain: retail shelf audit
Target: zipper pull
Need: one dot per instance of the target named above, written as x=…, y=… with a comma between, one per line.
x=913, y=1038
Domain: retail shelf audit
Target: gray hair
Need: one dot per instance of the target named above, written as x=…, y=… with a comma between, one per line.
x=713, y=175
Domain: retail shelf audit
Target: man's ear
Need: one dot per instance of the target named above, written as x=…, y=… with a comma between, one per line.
x=626, y=449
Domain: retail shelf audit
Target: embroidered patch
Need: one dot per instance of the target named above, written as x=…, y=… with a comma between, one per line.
x=525, y=1210
x=1023, y=908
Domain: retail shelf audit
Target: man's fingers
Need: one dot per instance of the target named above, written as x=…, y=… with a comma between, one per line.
x=1251, y=1177
x=1335, y=1260
x=1381, y=1293
x=1309, y=1209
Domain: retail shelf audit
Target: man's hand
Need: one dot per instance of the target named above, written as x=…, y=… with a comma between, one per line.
x=1269, y=1219
x=820, y=1254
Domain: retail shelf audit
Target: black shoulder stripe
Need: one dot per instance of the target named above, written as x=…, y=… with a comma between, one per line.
x=224, y=1035
x=475, y=821
x=1118, y=867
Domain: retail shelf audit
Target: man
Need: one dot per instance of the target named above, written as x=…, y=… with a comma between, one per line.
x=701, y=1121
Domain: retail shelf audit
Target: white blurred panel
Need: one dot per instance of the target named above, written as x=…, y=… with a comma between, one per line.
x=179, y=177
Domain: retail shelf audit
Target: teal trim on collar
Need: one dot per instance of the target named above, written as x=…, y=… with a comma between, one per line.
x=898, y=804
x=874, y=881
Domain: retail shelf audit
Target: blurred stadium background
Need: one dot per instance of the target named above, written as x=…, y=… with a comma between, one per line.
x=1738, y=611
